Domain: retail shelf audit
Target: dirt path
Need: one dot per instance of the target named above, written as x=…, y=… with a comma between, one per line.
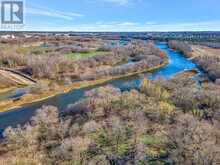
x=16, y=77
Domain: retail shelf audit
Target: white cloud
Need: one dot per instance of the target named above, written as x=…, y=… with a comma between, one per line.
x=40, y=11
x=119, y=2
x=116, y=2
x=127, y=24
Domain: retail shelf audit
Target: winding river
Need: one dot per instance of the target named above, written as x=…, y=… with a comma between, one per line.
x=177, y=64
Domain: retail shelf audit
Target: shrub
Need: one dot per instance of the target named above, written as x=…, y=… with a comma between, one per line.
x=194, y=142
x=36, y=140
x=153, y=90
x=185, y=98
x=184, y=47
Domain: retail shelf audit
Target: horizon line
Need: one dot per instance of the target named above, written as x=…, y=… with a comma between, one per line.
x=75, y=31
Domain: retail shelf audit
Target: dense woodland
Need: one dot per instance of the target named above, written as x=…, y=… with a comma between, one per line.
x=168, y=124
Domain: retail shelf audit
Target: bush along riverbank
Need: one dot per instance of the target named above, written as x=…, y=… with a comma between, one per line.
x=43, y=92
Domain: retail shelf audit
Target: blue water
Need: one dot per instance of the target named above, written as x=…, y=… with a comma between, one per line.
x=177, y=63
x=17, y=93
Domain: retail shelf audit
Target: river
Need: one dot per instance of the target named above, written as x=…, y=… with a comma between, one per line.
x=177, y=64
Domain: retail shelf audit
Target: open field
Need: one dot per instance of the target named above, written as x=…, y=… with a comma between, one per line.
x=204, y=50
x=79, y=56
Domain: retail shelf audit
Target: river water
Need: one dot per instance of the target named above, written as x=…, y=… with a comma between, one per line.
x=177, y=64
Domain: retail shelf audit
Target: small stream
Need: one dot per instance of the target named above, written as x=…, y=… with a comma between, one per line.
x=177, y=64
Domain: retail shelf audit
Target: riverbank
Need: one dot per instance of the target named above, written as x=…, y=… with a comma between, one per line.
x=187, y=74
x=208, y=60
x=4, y=90
x=30, y=98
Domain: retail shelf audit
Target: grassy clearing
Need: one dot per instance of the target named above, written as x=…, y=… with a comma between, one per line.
x=78, y=56
x=22, y=50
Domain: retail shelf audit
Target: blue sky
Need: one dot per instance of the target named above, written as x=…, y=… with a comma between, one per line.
x=122, y=15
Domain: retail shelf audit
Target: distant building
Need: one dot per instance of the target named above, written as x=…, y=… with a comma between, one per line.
x=8, y=36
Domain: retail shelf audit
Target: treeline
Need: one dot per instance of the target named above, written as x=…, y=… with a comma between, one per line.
x=150, y=126
x=49, y=39
x=215, y=45
x=181, y=46
x=144, y=56
x=210, y=64
x=56, y=66
x=147, y=63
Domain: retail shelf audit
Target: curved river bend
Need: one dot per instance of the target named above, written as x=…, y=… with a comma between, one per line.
x=177, y=63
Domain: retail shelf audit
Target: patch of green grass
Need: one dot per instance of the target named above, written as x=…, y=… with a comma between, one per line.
x=78, y=56
x=156, y=150
x=152, y=140
x=39, y=50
